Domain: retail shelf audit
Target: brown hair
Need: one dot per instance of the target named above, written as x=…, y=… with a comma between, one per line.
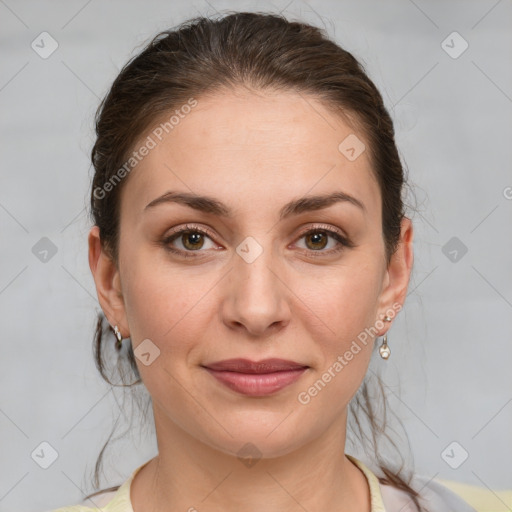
x=261, y=51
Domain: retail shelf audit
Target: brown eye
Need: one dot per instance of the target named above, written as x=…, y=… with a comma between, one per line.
x=318, y=240
x=187, y=241
x=192, y=240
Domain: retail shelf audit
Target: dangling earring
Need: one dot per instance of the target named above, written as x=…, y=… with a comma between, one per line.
x=384, y=350
x=119, y=341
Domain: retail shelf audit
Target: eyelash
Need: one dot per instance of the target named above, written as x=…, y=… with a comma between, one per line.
x=343, y=241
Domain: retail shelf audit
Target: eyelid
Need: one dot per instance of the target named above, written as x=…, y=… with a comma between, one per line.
x=324, y=227
x=191, y=227
x=306, y=230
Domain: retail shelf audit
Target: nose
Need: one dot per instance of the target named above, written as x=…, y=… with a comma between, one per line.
x=256, y=297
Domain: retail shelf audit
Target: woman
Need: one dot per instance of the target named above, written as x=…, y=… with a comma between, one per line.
x=250, y=240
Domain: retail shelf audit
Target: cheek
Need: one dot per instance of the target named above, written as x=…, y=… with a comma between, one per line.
x=169, y=312
x=344, y=313
x=345, y=303
x=164, y=304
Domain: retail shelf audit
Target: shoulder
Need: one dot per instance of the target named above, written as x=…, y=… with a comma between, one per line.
x=117, y=500
x=105, y=501
x=435, y=496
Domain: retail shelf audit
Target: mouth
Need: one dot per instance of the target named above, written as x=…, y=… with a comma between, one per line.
x=256, y=378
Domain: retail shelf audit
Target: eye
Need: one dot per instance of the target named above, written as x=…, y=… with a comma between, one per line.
x=317, y=239
x=191, y=239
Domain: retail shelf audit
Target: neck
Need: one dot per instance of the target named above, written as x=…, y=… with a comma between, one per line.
x=189, y=474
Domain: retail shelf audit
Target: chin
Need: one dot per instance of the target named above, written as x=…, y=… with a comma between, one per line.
x=256, y=440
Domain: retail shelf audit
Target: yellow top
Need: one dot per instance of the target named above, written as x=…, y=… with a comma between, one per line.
x=119, y=501
x=482, y=499
x=383, y=498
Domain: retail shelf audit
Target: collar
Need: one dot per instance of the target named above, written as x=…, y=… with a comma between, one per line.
x=121, y=501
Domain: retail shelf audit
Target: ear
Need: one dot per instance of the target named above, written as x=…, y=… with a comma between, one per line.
x=108, y=283
x=398, y=273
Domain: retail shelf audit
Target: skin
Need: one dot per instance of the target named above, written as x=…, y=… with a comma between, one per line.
x=298, y=300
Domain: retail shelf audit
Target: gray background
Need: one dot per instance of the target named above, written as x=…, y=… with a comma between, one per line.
x=452, y=343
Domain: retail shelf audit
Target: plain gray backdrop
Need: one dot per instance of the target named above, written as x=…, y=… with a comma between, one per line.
x=452, y=343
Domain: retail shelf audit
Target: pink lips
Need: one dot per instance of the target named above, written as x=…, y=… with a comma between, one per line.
x=256, y=378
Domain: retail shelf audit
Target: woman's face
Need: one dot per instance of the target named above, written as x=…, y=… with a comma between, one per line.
x=269, y=279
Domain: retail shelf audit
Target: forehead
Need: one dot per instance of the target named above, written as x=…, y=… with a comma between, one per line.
x=251, y=149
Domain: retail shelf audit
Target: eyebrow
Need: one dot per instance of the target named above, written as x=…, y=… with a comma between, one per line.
x=210, y=205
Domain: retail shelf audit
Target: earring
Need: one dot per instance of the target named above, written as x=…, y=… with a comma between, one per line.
x=119, y=341
x=384, y=350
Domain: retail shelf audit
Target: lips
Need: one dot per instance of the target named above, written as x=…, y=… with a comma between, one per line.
x=256, y=378
x=260, y=367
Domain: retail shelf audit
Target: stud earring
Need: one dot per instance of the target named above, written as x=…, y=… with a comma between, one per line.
x=119, y=341
x=384, y=350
